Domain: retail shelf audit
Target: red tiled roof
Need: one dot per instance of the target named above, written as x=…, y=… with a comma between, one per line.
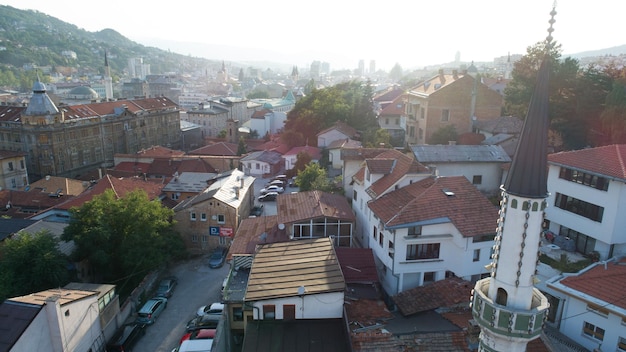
x=394, y=109
x=249, y=232
x=273, y=145
x=131, y=166
x=367, y=312
x=160, y=152
x=314, y=152
x=120, y=186
x=380, y=166
x=344, y=143
x=259, y=114
x=11, y=113
x=389, y=95
x=357, y=264
x=108, y=108
x=443, y=293
x=435, y=84
x=311, y=205
x=195, y=165
x=361, y=153
x=468, y=209
x=609, y=160
x=33, y=201
x=342, y=127
x=163, y=167
x=219, y=148
x=603, y=283
x=403, y=165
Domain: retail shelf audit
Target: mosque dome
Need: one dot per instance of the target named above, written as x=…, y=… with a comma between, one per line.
x=39, y=87
x=82, y=93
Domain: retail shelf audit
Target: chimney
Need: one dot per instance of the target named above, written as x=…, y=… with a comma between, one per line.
x=455, y=74
x=442, y=78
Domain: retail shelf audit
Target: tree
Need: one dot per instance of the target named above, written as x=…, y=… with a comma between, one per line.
x=123, y=239
x=302, y=160
x=222, y=134
x=313, y=177
x=443, y=135
x=241, y=147
x=613, y=117
x=31, y=263
x=396, y=72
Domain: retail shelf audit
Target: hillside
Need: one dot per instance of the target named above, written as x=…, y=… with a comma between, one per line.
x=31, y=37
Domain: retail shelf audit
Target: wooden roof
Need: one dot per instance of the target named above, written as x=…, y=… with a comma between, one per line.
x=279, y=269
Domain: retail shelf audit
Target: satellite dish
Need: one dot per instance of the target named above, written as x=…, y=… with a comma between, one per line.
x=281, y=226
x=301, y=290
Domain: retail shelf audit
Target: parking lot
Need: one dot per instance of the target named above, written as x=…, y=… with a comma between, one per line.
x=269, y=207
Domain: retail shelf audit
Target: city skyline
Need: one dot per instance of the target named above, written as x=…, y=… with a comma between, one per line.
x=410, y=34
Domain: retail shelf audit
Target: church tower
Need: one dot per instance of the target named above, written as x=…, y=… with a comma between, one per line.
x=508, y=308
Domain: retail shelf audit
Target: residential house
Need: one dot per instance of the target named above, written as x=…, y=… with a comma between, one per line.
x=187, y=184
x=339, y=131
x=352, y=160
x=291, y=157
x=383, y=173
x=55, y=185
x=22, y=204
x=316, y=214
x=430, y=230
x=211, y=218
x=591, y=309
x=334, y=152
x=266, y=121
x=13, y=172
x=480, y=164
x=262, y=163
x=449, y=100
x=293, y=287
x=386, y=97
x=108, y=305
x=587, y=194
x=503, y=131
x=217, y=149
x=59, y=319
x=392, y=118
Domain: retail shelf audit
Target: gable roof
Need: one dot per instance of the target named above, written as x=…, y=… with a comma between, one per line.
x=266, y=156
x=279, y=269
x=437, y=83
x=158, y=151
x=361, y=153
x=9, y=227
x=604, y=282
x=252, y=232
x=274, y=145
x=344, y=143
x=342, y=127
x=189, y=182
x=460, y=153
x=394, y=165
x=443, y=293
x=52, y=184
x=311, y=205
x=21, y=204
x=608, y=161
x=314, y=152
x=228, y=187
x=388, y=95
x=219, y=148
x=395, y=108
x=426, y=202
x=503, y=124
x=328, y=335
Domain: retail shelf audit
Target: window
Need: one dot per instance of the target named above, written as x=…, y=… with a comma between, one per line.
x=269, y=311
x=10, y=166
x=391, y=249
x=223, y=241
x=257, y=165
x=429, y=276
x=414, y=231
x=584, y=243
x=354, y=194
x=589, y=180
x=193, y=216
x=477, y=180
x=422, y=251
x=593, y=331
x=202, y=216
x=476, y=255
x=598, y=309
x=386, y=121
x=420, y=133
x=579, y=207
x=175, y=196
x=445, y=115
x=375, y=233
x=221, y=218
x=237, y=314
x=194, y=238
x=422, y=113
x=205, y=238
x=621, y=344
x=381, y=239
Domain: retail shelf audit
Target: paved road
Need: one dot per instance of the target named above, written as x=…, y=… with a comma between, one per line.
x=197, y=285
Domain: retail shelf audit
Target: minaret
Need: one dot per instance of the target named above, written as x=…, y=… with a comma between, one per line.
x=509, y=310
x=108, y=81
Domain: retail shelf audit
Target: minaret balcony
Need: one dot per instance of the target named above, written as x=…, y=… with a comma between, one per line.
x=507, y=321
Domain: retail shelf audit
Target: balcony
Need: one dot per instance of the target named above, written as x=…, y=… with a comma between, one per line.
x=509, y=321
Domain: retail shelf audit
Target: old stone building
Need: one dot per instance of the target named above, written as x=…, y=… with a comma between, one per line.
x=71, y=140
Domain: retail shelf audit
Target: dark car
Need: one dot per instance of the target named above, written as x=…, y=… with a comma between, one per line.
x=166, y=287
x=151, y=310
x=126, y=337
x=268, y=197
x=256, y=210
x=207, y=321
x=217, y=257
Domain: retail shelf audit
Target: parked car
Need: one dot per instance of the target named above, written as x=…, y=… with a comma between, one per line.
x=151, y=310
x=126, y=337
x=268, y=197
x=200, y=334
x=214, y=308
x=166, y=287
x=292, y=182
x=277, y=189
x=278, y=183
x=218, y=257
x=207, y=321
x=256, y=210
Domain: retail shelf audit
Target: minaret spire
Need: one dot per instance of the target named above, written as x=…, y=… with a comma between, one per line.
x=509, y=310
x=108, y=81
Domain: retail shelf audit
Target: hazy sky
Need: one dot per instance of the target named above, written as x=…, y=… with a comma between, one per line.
x=412, y=33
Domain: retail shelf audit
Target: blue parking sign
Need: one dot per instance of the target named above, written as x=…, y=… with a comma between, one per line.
x=214, y=230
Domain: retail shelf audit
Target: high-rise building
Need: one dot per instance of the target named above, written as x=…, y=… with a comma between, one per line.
x=372, y=67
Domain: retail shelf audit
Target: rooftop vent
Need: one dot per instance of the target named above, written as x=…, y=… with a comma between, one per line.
x=448, y=192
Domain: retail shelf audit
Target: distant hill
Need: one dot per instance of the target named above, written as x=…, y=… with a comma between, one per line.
x=30, y=37
x=614, y=51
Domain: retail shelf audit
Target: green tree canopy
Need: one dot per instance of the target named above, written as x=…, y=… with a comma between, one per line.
x=123, y=239
x=31, y=263
x=444, y=135
x=313, y=177
x=241, y=147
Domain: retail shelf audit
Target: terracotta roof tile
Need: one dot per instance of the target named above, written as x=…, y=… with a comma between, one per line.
x=249, y=232
x=314, y=152
x=603, y=283
x=11, y=113
x=361, y=153
x=51, y=184
x=219, y=148
x=450, y=292
x=468, y=209
x=131, y=166
x=402, y=166
x=159, y=152
x=396, y=108
x=367, y=312
x=344, y=143
x=609, y=160
x=342, y=127
x=388, y=95
x=311, y=205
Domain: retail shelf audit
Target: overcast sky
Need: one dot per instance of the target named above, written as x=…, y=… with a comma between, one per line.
x=412, y=33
